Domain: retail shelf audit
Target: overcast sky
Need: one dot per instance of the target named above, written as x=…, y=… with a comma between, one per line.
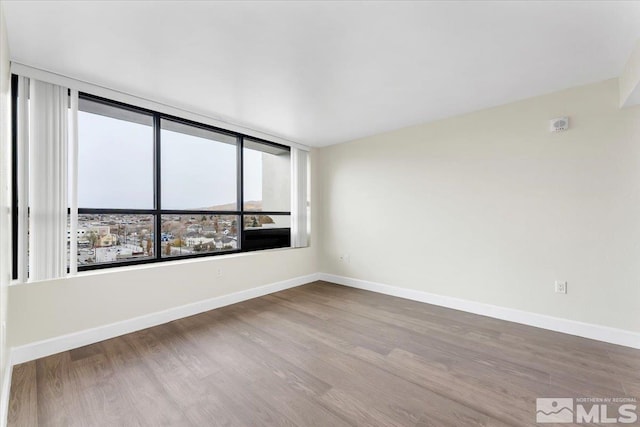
x=115, y=167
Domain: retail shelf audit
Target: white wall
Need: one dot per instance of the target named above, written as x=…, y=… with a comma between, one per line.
x=493, y=208
x=52, y=308
x=5, y=158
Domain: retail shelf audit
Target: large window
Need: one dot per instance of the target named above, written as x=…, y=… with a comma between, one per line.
x=153, y=187
x=115, y=185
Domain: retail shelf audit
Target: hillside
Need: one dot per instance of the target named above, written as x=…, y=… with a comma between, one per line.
x=253, y=205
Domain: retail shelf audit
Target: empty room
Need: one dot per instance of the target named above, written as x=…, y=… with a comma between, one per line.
x=319, y=213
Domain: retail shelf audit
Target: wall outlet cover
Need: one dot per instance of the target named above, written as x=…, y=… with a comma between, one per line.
x=561, y=287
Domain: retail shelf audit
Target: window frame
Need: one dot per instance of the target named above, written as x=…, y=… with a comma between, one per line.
x=157, y=210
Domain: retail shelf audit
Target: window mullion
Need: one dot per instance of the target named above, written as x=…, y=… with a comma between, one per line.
x=157, y=235
x=240, y=169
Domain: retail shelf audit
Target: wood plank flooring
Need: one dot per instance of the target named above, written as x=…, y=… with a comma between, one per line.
x=320, y=355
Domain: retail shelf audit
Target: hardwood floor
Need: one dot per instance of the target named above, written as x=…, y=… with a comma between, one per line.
x=320, y=355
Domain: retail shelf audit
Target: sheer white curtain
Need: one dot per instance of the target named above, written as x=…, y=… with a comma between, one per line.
x=23, y=178
x=48, y=156
x=43, y=144
x=299, y=198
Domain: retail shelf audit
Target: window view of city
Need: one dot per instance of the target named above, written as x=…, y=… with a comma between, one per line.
x=198, y=175
x=112, y=238
x=193, y=234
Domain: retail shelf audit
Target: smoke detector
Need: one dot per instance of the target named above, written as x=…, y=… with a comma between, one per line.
x=558, y=125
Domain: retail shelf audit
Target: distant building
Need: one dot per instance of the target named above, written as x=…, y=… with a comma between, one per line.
x=193, y=241
x=227, y=242
x=107, y=240
x=101, y=230
x=106, y=255
x=194, y=228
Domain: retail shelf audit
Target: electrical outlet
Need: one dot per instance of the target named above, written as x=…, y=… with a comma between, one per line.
x=561, y=287
x=345, y=258
x=219, y=272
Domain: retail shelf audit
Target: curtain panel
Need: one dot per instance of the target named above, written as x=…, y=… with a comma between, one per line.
x=300, y=198
x=44, y=122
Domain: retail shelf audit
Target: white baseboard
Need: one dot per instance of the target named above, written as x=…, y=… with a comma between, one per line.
x=36, y=350
x=572, y=327
x=58, y=344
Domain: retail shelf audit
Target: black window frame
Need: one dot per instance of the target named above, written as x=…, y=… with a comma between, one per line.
x=157, y=211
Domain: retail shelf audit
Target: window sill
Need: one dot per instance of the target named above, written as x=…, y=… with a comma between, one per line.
x=157, y=265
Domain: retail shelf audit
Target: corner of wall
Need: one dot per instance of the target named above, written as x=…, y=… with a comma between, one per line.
x=629, y=80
